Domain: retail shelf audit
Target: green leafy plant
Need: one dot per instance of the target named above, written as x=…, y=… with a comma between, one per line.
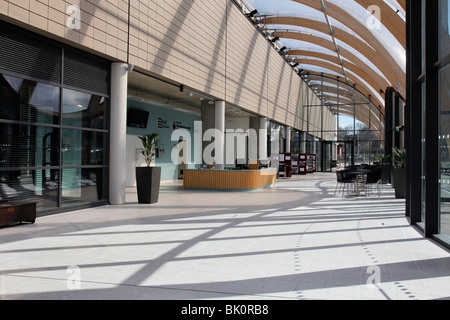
x=149, y=142
x=399, y=157
x=382, y=159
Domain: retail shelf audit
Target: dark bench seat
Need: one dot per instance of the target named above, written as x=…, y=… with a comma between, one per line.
x=17, y=212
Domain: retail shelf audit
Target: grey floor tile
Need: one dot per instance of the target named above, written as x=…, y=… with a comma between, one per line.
x=294, y=241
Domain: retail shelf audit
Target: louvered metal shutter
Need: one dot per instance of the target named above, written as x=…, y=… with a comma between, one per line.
x=84, y=71
x=23, y=53
x=30, y=54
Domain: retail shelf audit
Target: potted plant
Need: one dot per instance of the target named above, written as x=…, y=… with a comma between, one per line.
x=399, y=172
x=384, y=162
x=148, y=178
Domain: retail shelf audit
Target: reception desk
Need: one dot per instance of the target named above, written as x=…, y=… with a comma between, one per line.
x=238, y=180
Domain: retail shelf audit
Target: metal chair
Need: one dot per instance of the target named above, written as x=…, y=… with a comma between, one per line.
x=344, y=180
x=373, y=178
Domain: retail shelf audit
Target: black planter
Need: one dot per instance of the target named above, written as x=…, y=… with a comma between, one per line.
x=148, y=180
x=385, y=173
x=400, y=182
x=392, y=177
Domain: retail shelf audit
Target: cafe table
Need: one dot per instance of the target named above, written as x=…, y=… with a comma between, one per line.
x=360, y=177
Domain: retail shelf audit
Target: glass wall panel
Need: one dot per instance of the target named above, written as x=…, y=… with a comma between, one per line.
x=80, y=148
x=33, y=145
x=83, y=110
x=444, y=135
x=46, y=127
x=295, y=142
x=444, y=29
x=28, y=146
x=327, y=154
x=28, y=101
x=82, y=185
x=32, y=185
x=424, y=150
x=444, y=142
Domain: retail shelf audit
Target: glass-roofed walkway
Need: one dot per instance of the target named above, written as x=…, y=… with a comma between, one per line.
x=242, y=96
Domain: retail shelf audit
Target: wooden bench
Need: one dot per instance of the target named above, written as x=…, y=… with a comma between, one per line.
x=17, y=212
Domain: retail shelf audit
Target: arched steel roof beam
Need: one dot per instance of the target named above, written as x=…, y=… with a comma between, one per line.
x=316, y=76
x=344, y=87
x=336, y=68
x=389, y=18
x=360, y=88
x=350, y=21
x=380, y=53
x=402, y=3
x=380, y=63
x=343, y=94
x=346, y=104
x=376, y=81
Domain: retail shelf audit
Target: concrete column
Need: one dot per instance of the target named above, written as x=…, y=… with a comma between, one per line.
x=118, y=133
x=263, y=138
x=220, y=141
x=253, y=140
x=288, y=139
x=302, y=142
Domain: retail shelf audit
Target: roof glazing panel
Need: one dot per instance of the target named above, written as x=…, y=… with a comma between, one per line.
x=369, y=38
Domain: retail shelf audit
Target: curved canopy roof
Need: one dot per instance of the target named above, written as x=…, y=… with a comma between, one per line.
x=358, y=42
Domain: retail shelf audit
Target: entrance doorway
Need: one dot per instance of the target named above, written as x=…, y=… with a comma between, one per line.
x=337, y=155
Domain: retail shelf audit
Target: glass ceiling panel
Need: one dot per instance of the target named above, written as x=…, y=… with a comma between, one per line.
x=284, y=8
x=295, y=9
x=352, y=76
x=288, y=8
x=378, y=30
x=298, y=44
x=325, y=83
x=343, y=47
x=293, y=44
x=396, y=7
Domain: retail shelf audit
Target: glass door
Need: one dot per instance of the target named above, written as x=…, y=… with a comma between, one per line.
x=444, y=102
x=345, y=154
x=329, y=163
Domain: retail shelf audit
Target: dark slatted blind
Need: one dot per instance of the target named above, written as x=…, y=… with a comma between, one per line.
x=29, y=55
x=84, y=71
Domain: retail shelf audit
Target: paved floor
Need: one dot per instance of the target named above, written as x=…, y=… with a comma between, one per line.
x=294, y=241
